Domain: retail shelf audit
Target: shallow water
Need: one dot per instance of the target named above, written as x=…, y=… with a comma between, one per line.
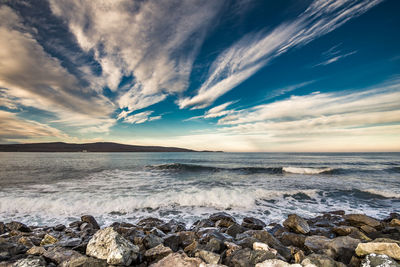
x=51, y=188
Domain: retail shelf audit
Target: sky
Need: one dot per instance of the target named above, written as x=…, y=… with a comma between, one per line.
x=241, y=76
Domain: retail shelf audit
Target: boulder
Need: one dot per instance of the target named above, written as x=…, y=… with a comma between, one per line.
x=297, y=224
x=253, y=223
x=151, y=241
x=359, y=220
x=108, y=245
x=276, y=263
x=214, y=245
x=3, y=228
x=30, y=262
x=59, y=227
x=208, y=256
x=48, y=240
x=223, y=223
x=374, y=260
x=17, y=226
x=263, y=246
x=84, y=261
x=150, y=222
x=192, y=248
x=231, y=247
x=247, y=257
x=390, y=249
x=235, y=229
x=9, y=249
x=26, y=241
x=172, y=227
x=350, y=231
x=172, y=241
x=59, y=254
x=316, y=260
x=178, y=259
x=157, y=253
x=221, y=216
x=292, y=239
x=90, y=220
x=36, y=251
x=187, y=237
x=394, y=222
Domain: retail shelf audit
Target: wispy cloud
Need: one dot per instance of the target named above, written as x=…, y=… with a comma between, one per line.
x=138, y=117
x=332, y=55
x=215, y=112
x=254, y=51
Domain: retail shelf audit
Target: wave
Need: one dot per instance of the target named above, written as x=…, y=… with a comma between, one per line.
x=381, y=193
x=181, y=167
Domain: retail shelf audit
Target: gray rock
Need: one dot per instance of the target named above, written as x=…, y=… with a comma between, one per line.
x=157, y=253
x=172, y=241
x=292, y=239
x=297, y=224
x=10, y=249
x=59, y=227
x=151, y=241
x=235, y=229
x=208, y=256
x=178, y=260
x=172, y=227
x=84, y=262
x=187, y=237
x=3, y=228
x=374, y=260
x=59, y=254
x=108, y=245
x=361, y=219
x=276, y=263
x=321, y=260
x=17, y=226
x=90, y=220
x=253, y=223
x=30, y=262
x=221, y=216
x=247, y=257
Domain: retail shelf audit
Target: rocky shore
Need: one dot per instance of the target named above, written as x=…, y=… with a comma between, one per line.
x=331, y=239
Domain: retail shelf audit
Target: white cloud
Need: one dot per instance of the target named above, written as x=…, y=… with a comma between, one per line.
x=333, y=55
x=254, y=51
x=155, y=41
x=138, y=117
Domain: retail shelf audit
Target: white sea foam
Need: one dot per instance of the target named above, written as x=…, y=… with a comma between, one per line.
x=383, y=193
x=298, y=170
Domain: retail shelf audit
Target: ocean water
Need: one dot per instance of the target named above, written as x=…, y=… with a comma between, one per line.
x=52, y=188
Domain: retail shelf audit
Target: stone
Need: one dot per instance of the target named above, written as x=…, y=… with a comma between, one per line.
x=320, y=260
x=394, y=222
x=208, y=256
x=3, y=228
x=30, y=262
x=172, y=241
x=151, y=241
x=48, y=240
x=390, y=249
x=361, y=219
x=223, y=223
x=10, y=249
x=263, y=246
x=232, y=247
x=38, y=251
x=247, y=257
x=221, y=216
x=276, y=263
x=235, y=229
x=150, y=222
x=172, y=227
x=178, y=259
x=298, y=256
x=84, y=261
x=340, y=248
x=368, y=229
x=59, y=227
x=214, y=245
x=59, y=254
x=70, y=242
x=157, y=253
x=107, y=244
x=253, y=223
x=191, y=249
x=187, y=237
x=203, y=223
x=17, y=226
x=374, y=260
x=297, y=224
x=26, y=241
x=350, y=231
x=90, y=220
x=292, y=239
x=247, y=242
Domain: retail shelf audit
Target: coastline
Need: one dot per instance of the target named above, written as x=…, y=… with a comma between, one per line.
x=331, y=239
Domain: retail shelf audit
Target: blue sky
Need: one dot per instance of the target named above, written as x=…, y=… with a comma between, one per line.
x=248, y=75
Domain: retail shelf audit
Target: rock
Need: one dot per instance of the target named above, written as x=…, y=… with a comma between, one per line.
x=232, y=247
x=84, y=262
x=30, y=262
x=361, y=219
x=221, y=216
x=320, y=260
x=187, y=237
x=292, y=239
x=390, y=249
x=172, y=227
x=339, y=248
x=59, y=227
x=59, y=254
x=368, y=229
x=70, y=243
x=3, y=228
x=276, y=263
x=208, y=256
x=38, y=251
x=48, y=240
x=157, y=253
x=350, y=231
x=394, y=222
x=17, y=226
x=75, y=224
x=90, y=220
x=387, y=240
x=26, y=241
x=374, y=260
x=172, y=241
x=247, y=257
x=262, y=246
x=151, y=241
x=253, y=223
x=107, y=244
x=223, y=223
x=10, y=249
x=177, y=260
x=235, y=229
x=150, y=222
x=214, y=245
x=247, y=242
x=297, y=224
x=298, y=256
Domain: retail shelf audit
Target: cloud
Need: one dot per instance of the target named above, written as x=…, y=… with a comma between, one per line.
x=333, y=55
x=138, y=117
x=255, y=50
x=31, y=77
x=154, y=41
x=13, y=128
x=287, y=89
x=215, y=112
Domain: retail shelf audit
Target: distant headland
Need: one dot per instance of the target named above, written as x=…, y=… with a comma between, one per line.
x=88, y=147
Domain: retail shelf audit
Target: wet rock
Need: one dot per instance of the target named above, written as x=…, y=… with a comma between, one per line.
x=187, y=237
x=38, y=251
x=208, y=233
x=30, y=262
x=276, y=263
x=390, y=249
x=214, y=245
x=70, y=242
x=350, y=231
x=374, y=260
x=253, y=223
x=297, y=224
x=90, y=220
x=292, y=239
x=75, y=225
x=221, y=216
x=361, y=219
x=247, y=242
x=231, y=247
x=10, y=249
x=59, y=254
x=223, y=223
x=191, y=249
x=320, y=260
x=172, y=227
x=81, y=248
x=48, y=240
x=172, y=241
x=208, y=256
x=17, y=226
x=247, y=257
x=151, y=241
x=108, y=245
x=3, y=228
x=59, y=227
x=340, y=248
x=150, y=223
x=203, y=223
x=157, y=253
x=178, y=259
x=157, y=232
x=84, y=262
x=235, y=229
x=262, y=246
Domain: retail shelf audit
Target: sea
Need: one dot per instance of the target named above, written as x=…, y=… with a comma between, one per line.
x=54, y=188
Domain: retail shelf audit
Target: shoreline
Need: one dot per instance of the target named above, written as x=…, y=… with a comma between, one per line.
x=331, y=239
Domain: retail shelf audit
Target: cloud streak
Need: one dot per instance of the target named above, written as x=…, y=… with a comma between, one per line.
x=254, y=51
